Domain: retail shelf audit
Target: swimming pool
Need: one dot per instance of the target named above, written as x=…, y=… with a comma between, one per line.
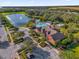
x=40, y=24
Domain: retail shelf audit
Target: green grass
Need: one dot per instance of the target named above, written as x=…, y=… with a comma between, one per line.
x=70, y=54
x=23, y=55
x=7, y=13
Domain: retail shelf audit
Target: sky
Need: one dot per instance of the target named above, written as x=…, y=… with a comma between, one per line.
x=38, y=2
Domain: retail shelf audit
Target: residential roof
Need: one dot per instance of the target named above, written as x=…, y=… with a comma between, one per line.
x=58, y=36
x=52, y=41
x=40, y=53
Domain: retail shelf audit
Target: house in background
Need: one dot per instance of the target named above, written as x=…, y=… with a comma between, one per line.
x=51, y=33
x=55, y=37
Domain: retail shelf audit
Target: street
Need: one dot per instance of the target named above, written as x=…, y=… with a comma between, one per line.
x=7, y=51
x=53, y=53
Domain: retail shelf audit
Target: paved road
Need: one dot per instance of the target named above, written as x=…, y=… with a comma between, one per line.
x=9, y=51
x=6, y=50
x=52, y=51
x=53, y=54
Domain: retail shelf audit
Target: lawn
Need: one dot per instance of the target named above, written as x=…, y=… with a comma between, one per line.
x=7, y=13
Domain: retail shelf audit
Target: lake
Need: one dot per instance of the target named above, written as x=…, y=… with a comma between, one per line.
x=18, y=19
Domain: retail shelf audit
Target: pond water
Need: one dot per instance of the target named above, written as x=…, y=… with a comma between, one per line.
x=18, y=19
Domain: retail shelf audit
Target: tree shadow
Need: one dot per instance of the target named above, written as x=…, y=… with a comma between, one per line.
x=4, y=45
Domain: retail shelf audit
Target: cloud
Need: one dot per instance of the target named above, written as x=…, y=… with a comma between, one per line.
x=38, y=2
x=68, y=0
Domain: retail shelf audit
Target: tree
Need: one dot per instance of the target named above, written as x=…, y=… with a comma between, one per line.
x=28, y=43
x=70, y=54
x=76, y=36
x=30, y=24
